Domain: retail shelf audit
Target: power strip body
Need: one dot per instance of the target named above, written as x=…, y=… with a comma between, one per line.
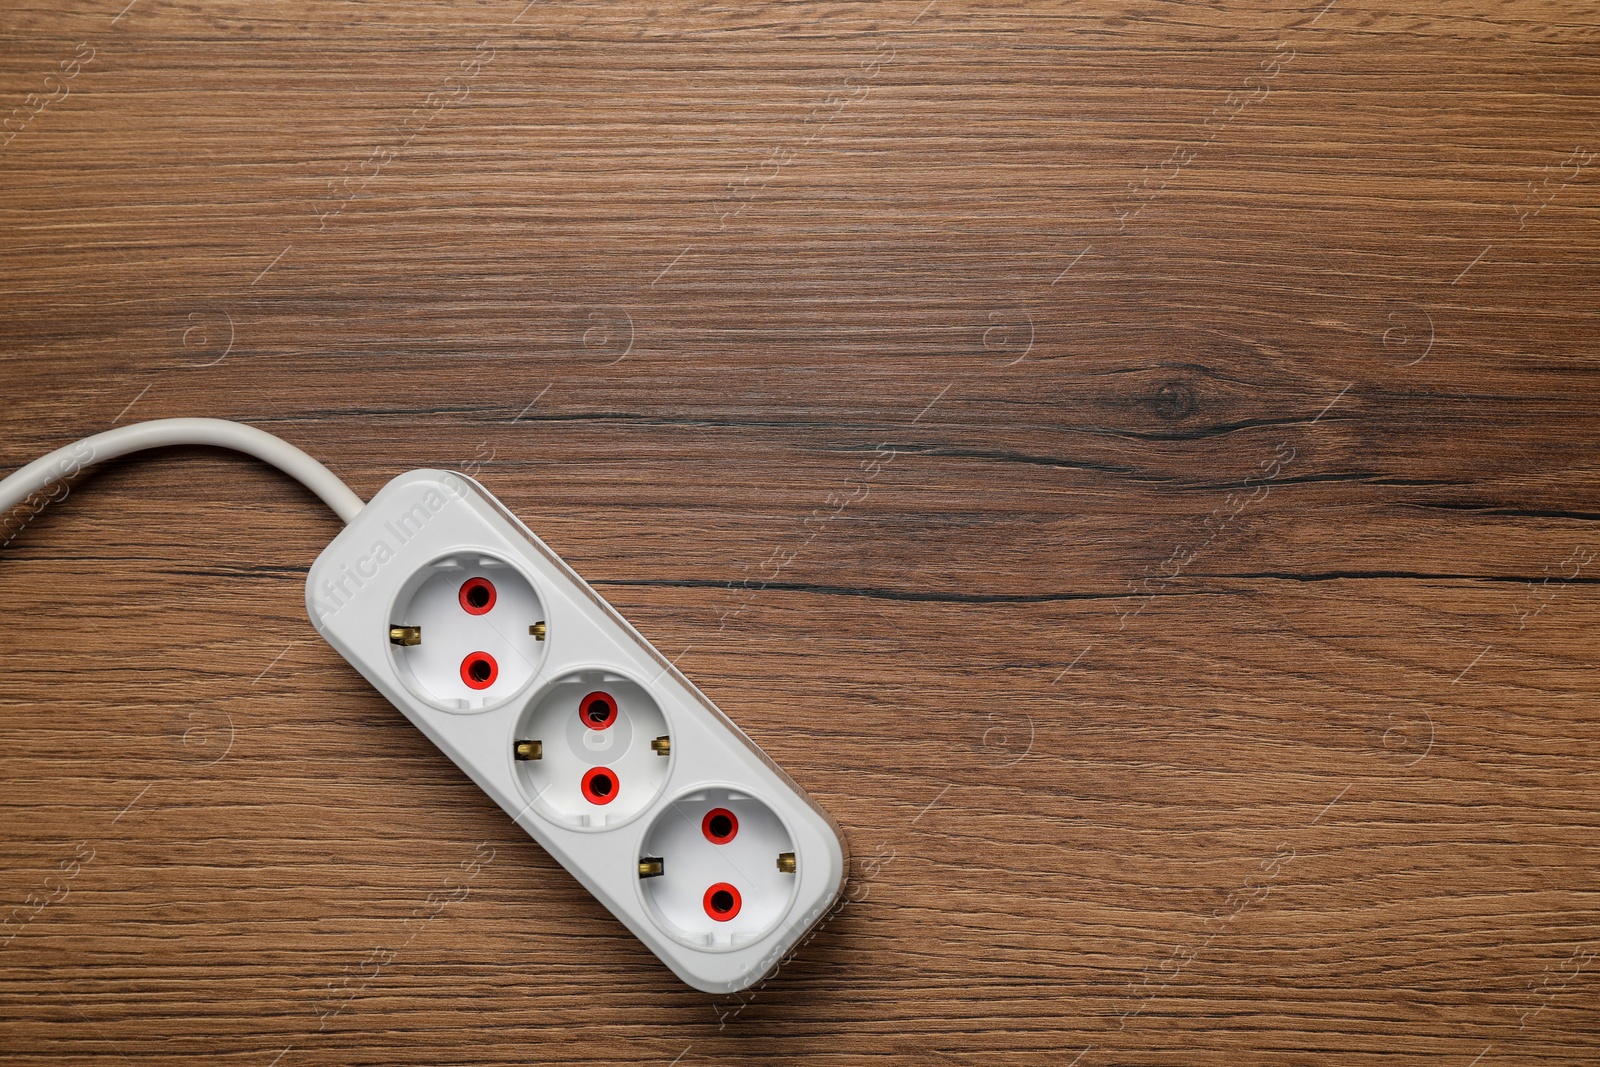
x=428, y=532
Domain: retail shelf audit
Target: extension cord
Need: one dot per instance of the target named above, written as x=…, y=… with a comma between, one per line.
x=591, y=740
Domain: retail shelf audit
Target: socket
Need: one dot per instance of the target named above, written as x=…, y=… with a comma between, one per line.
x=467, y=644
x=588, y=737
x=595, y=728
x=723, y=882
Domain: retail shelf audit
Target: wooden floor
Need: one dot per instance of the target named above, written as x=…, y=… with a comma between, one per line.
x=1137, y=465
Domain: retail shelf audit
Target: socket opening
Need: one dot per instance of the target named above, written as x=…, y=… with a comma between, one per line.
x=598, y=710
x=600, y=785
x=479, y=670
x=477, y=596
x=722, y=902
x=720, y=826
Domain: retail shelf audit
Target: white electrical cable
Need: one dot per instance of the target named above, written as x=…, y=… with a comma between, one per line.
x=161, y=433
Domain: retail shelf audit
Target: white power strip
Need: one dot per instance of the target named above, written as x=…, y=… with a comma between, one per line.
x=554, y=705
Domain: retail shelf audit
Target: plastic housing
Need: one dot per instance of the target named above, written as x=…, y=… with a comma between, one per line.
x=364, y=577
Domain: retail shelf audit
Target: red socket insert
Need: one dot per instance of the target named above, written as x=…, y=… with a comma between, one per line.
x=479, y=670
x=598, y=710
x=600, y=785
x=720, y=826
x=477, y=596
x=722, y=902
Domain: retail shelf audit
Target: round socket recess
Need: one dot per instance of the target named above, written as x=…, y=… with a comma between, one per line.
x=603, y=750
x=459, y=632
x=727, y=868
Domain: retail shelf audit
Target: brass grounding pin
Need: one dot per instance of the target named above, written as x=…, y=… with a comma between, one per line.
x=537, y=630
x=661, y=746
x=528, y=750
x=651, y=867
x=786, y=862
x=405, y=635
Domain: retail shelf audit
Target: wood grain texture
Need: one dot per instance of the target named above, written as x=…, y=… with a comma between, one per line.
x=1134, y=464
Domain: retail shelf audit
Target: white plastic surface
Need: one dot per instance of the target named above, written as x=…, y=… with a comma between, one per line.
x=367, y=579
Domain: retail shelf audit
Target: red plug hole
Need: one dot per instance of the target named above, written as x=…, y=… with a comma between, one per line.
x=720, y=826
x=479, y=670
x=598, y=710
x=722, y=902
x=600, y=785
x=477, y=596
